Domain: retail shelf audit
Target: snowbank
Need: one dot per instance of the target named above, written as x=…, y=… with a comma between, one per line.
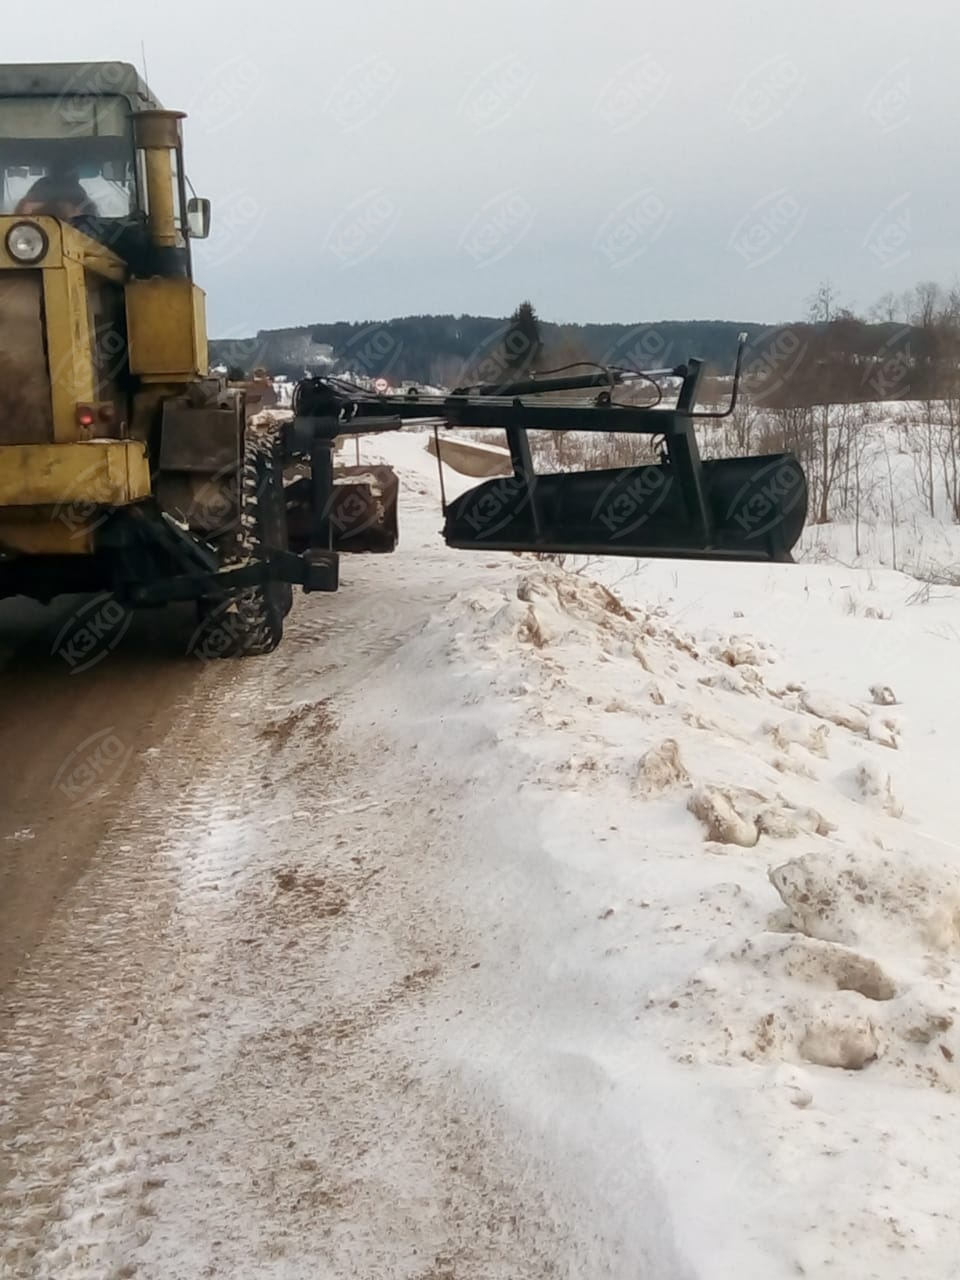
x=731, y=936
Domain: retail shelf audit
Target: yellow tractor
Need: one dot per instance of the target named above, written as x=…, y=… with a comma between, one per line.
x=127, y=468
x=124, y=465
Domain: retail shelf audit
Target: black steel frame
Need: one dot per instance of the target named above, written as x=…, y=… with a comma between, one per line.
x=327, y=408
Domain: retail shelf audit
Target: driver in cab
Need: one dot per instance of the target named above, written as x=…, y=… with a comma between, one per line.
x=56, y=198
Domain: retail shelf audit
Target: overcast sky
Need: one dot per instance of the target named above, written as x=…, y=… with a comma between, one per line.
x=611, y=160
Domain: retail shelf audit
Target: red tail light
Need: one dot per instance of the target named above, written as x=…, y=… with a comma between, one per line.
x=89, y=415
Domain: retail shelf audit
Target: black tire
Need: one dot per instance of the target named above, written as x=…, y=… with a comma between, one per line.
x=248, y=622
x=274, y=514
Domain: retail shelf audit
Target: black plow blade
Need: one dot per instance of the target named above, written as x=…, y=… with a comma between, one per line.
x=750, y=509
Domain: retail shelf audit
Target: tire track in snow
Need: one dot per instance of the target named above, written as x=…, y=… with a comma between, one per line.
x=219, y=1060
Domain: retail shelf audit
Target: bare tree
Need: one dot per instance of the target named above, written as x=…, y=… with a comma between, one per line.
x=826, y=453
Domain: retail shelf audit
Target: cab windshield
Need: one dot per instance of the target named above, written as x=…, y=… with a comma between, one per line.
x=69, y=157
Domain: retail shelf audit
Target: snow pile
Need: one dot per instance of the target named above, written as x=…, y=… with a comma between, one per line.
x=751, y=847
x=698, y=825
x=883, y=900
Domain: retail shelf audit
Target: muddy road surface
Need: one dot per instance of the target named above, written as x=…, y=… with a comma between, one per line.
x=231, y=960
x=67, y=729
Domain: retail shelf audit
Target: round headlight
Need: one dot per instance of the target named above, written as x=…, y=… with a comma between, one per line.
x=26, y=242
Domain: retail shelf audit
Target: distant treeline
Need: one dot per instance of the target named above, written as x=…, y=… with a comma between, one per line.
x=842, y=360
x=445, y=350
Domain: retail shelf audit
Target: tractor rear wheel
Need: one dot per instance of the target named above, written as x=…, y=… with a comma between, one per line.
x=248, y=621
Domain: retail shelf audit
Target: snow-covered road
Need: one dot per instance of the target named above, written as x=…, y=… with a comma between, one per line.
x=441, y=944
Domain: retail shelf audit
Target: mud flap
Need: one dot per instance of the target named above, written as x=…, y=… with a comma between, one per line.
x=752, y=509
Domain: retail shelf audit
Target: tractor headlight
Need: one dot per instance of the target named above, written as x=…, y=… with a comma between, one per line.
x=27, y=242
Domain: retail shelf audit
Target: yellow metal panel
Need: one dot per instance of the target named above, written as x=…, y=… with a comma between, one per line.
x=92, y=255
x=25, y=412
x=47, y=538
x=166, y=330
x=74, y=477
x=201, y=355
x=66, y=347
x=69, y=346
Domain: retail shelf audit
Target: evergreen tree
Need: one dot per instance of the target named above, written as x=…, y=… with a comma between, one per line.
x=523, y=346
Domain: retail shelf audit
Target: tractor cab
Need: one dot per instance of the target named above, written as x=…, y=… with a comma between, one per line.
x=67, y=157
x=90, y=146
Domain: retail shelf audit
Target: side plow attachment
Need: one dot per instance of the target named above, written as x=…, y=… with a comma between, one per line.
x=731, y=509
x=747, y=508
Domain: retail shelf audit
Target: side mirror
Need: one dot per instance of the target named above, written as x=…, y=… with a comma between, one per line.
x=198, y=218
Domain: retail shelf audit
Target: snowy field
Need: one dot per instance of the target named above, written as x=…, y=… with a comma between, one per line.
x=596, y=921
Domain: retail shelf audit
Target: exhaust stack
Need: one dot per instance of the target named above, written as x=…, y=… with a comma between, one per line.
x=158, y=139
